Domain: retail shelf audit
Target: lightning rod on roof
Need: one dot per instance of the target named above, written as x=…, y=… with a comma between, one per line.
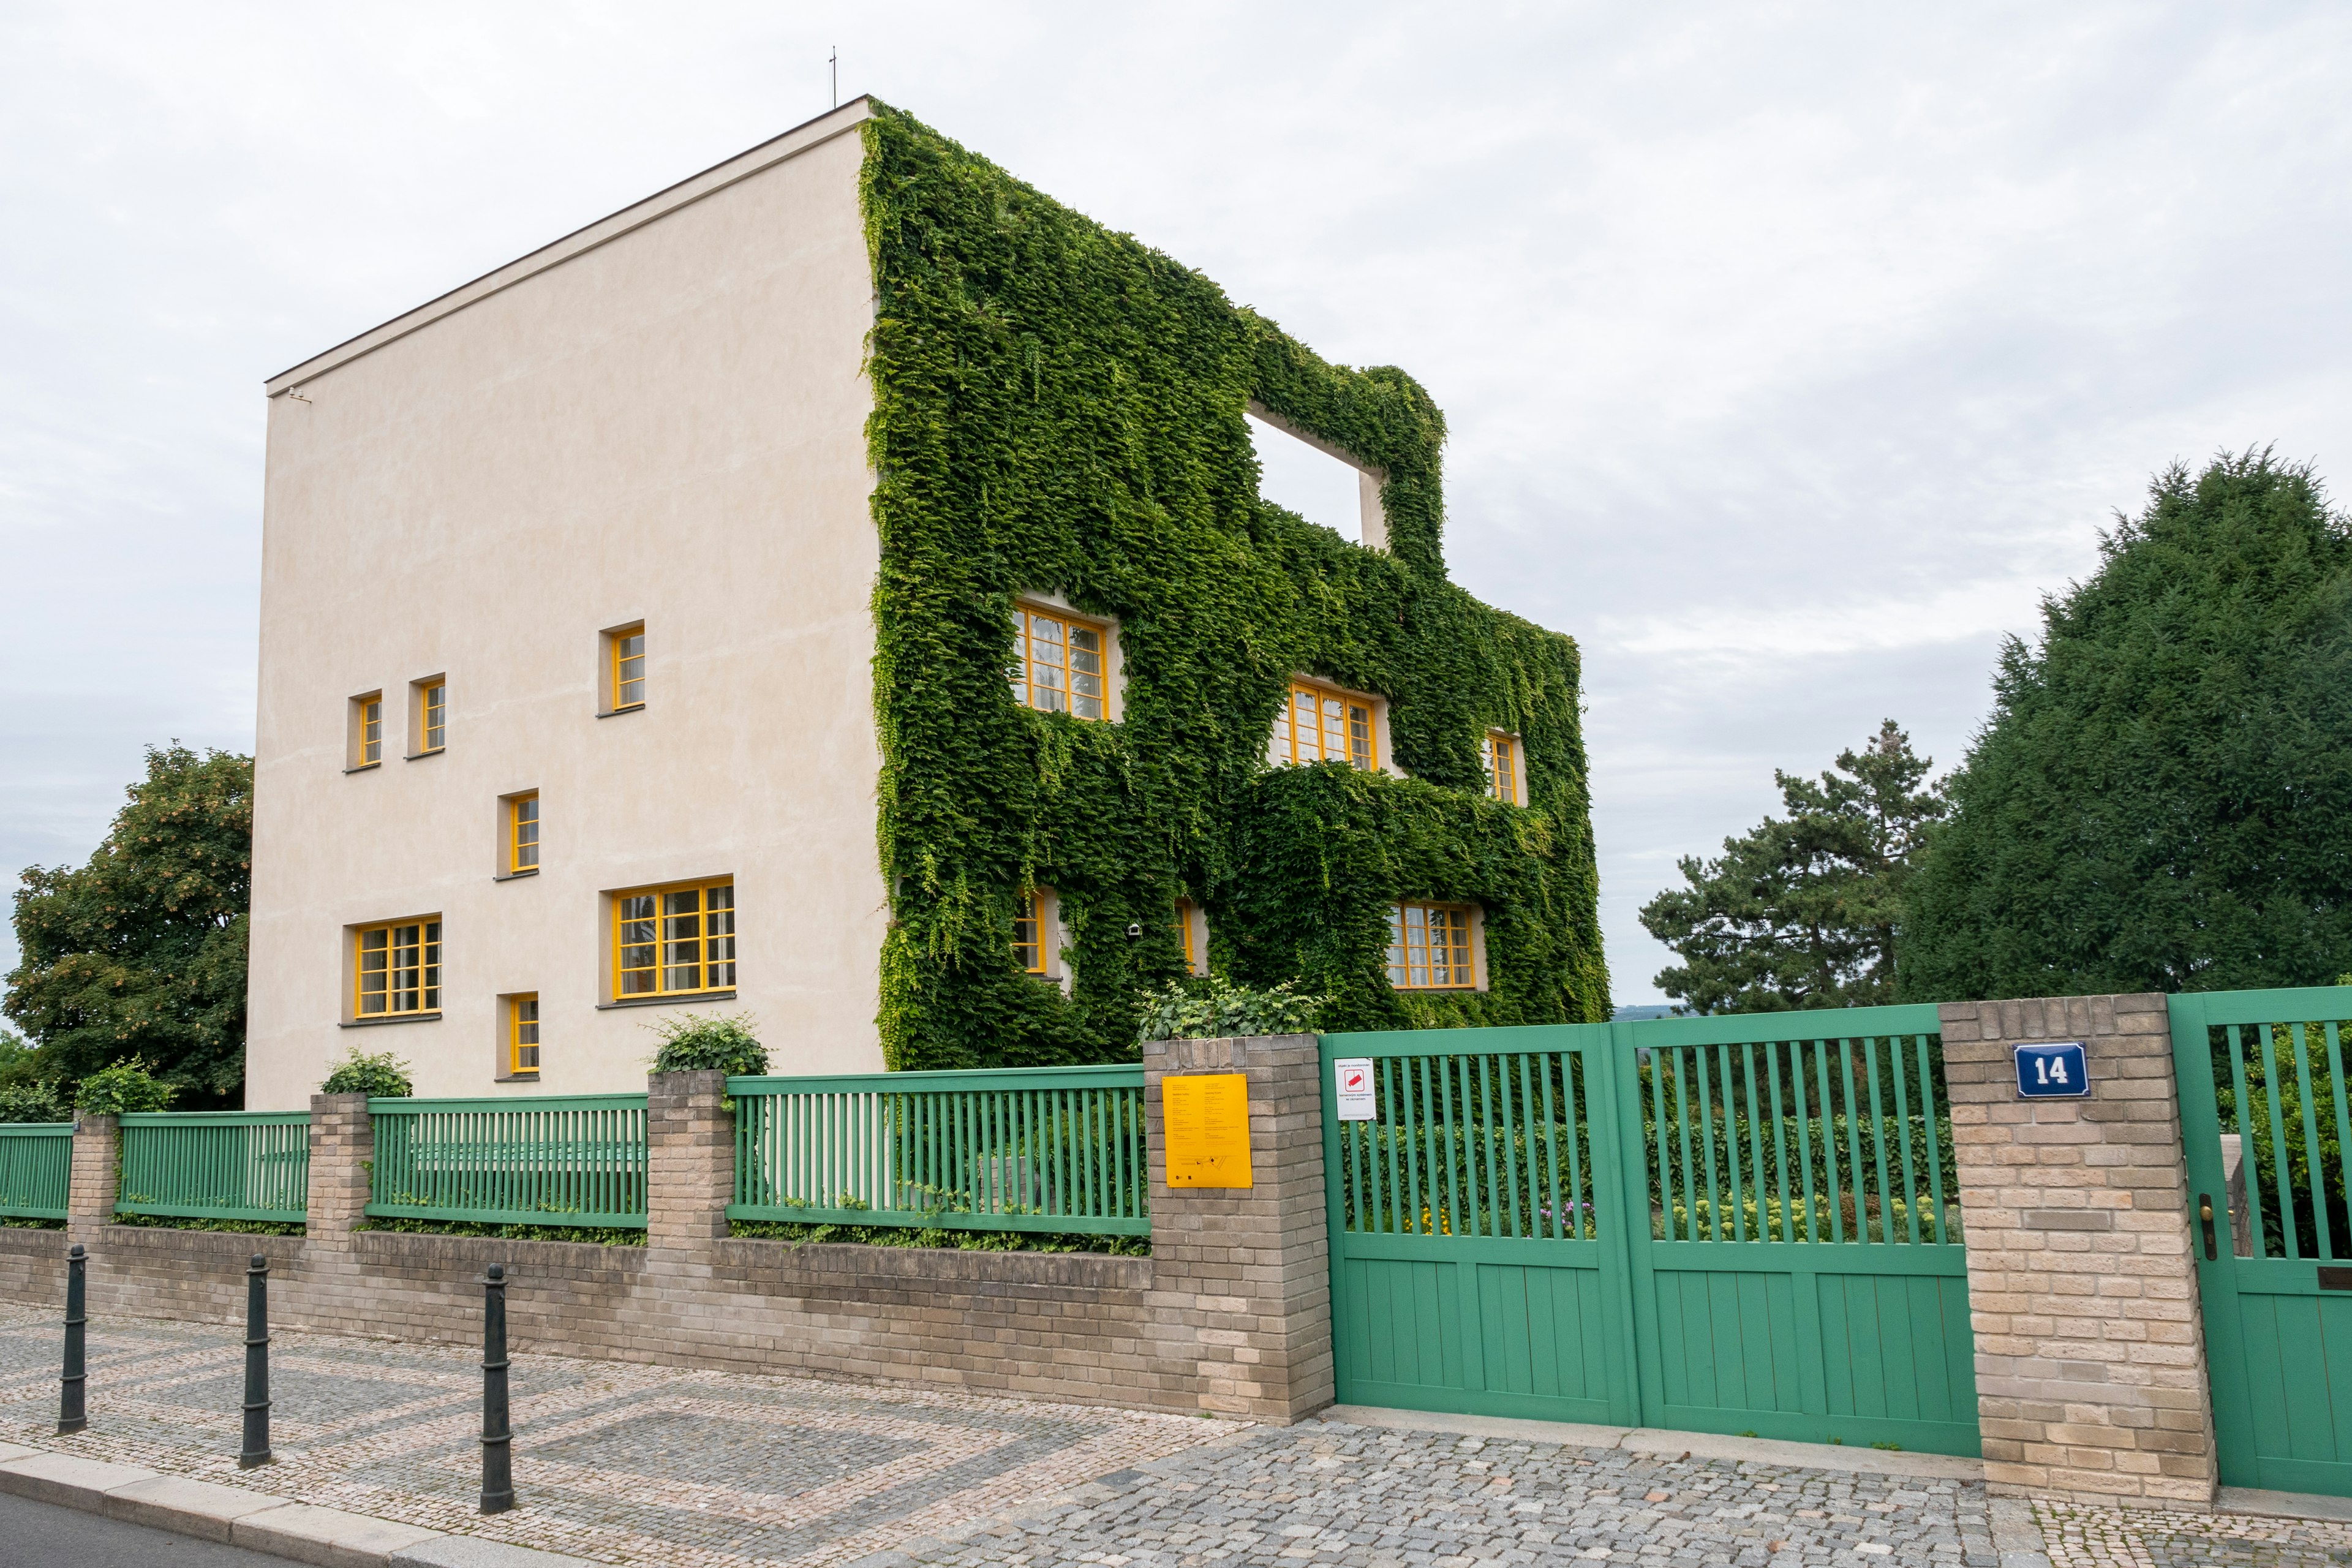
x=834, y=61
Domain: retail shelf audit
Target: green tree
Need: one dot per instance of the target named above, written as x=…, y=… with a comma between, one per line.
x=142, y=952
x=2162, y=798
x=1803, y=912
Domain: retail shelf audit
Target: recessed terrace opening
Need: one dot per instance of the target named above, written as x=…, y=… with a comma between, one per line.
x=1316, y=481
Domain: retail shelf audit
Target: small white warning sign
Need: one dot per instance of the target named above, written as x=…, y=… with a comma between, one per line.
x=1353, y=1078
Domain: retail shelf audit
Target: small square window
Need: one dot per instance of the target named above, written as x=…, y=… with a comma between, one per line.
x=1323, y=724
x=396, y=968
x=674, y=941
x=1429, y=947
x=1064, y=663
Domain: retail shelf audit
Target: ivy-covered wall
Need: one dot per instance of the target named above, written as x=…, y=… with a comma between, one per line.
x=1060, y=409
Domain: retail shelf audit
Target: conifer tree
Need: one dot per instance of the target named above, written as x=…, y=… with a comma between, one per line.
x=1803, y=912
x=2162, y=798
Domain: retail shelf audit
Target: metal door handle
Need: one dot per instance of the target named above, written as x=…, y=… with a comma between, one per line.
x=2205, y=1213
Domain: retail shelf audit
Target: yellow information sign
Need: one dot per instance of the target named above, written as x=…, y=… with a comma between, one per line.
x=1208, y=1128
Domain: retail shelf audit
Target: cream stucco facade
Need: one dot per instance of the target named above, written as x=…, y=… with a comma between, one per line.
x=658, y=419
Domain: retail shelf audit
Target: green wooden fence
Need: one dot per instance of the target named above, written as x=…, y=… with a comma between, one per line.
x=1038, y=1149
x=572, y=1159
x=36, y=1169
x=1729, y=1224
x=216, y=1164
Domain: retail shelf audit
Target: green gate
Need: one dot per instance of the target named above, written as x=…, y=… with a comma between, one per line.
x=1726, y=1224
x=2263, y=1114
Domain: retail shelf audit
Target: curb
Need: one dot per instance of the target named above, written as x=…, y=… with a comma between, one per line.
x=325, y=1537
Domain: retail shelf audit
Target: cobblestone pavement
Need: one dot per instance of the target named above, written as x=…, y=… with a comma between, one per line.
x=633, y=1464
x=2112, y=1538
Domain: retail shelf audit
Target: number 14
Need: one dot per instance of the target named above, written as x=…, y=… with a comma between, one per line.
x=2050, y=1069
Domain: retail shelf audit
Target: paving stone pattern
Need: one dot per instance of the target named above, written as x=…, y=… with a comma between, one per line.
x=2139, y=1538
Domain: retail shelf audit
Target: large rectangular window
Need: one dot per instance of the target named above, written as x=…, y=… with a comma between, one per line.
x=1503, y=766
x=628, y=674
x=1029, y=933
x=433, y=716
x=397, y=970
x=1319, y=724
x=367, y=729
x=674, y=941
x=1429, y=947
x=523, y=1036
x=1062, y=663
x=522, y=833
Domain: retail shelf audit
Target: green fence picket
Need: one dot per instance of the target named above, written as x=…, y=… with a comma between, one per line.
x=216, y=1164
x=556, y=1160
x=1034, y=1148
x=36, y=1169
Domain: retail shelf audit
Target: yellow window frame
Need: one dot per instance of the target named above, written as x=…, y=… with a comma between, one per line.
x=1184, y=932
x=628, y=672
x=1503, y=765
x=1029, y=933
x=369, y=751
x=522, y=833
x=1319, y=723
x=523, y=1035
x=1431, y=947
x=1064, y=663
x=396, y=968
x=433, y=717
x=657, y=952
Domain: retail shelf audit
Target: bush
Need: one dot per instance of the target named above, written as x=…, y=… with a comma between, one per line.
x=125, y=1087
x=1217, y=1010
x=382, y=1075
x=35, y=1102
x=706, y=1043
x=594, y=1234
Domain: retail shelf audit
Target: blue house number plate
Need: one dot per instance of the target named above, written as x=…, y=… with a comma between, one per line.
x=2052, y=1072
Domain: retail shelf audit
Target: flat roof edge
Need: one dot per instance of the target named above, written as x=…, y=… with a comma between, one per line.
x=800, y=139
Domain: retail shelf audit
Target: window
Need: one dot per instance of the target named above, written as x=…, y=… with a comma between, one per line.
x=367, y=729
x=433, y=716
x=674, y=941
x=522, y=833
x=1029, y=933
x=399, y=970
x=1503, y=766
x=1062, y=663
x=523, y=1036
x=628, y=675
x=1320, y=724
x=1184, y=931
x=1429, y=947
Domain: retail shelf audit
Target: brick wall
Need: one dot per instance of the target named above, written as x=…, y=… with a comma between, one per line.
x=2082, y=1283
x=1229, y=1314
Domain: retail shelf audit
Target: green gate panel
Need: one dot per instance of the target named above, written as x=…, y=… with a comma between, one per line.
x=1735, y=1225
x=2268, y=1069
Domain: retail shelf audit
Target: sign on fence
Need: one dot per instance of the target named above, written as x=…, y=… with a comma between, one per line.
x=1352, y=1078
x=2052, y=1072
x=1208, y=1128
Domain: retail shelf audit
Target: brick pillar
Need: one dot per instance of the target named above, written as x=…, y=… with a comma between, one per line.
x=2082, y=1281
x=342, y=1148
x=1241, y=1301
x=89, y=1199
x=690, y=1158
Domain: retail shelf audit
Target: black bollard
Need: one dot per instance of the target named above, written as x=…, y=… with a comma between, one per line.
x=498, y=1443
x=70, y=1414
x=256, y=1364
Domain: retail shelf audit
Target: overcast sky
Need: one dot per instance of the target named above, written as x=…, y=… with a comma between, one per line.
x=1788, y=353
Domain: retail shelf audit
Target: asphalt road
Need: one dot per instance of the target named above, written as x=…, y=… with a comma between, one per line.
x=52, y=1537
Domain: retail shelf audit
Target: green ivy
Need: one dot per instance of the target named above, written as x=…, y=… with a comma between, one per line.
x=1059, y=408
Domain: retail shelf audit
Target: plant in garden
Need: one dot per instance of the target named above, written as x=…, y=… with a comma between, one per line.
x=710, y=1042
x=125, y=1087
x=1216, y=1010
x=382, y=1075
x=35, y=1102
